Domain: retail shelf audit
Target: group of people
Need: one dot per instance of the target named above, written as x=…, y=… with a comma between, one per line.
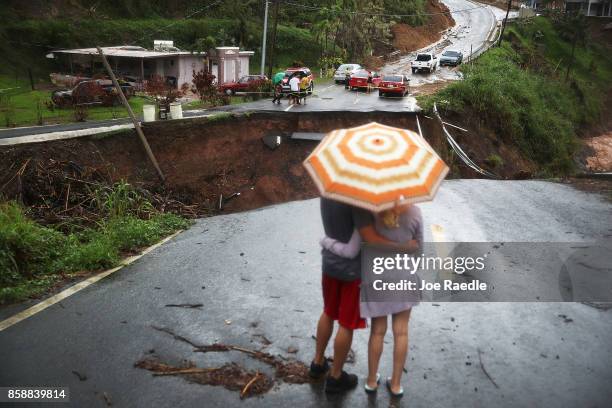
x=298, y=84
x=400, y=228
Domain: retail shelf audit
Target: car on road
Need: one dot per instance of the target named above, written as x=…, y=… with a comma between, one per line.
x=451, y=58
x=291, y=72
x=343, y=70
x=361, y=79
x=424, y=62
x=230, y=88
x=394, y=84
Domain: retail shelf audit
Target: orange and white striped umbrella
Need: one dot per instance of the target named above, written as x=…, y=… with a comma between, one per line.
x=372, y=166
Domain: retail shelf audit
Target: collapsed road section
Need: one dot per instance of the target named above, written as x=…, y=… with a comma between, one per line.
x=229, y=162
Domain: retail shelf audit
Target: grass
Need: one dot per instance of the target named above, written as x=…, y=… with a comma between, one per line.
x=23, y=107
x=34, y=257
x=519, y=91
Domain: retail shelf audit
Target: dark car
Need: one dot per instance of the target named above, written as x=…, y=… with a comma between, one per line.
x=230, y=88
x=91, y=92
x=451, y=58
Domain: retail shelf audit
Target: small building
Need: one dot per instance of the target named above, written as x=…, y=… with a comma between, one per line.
x=139, y=64
x=591, y=8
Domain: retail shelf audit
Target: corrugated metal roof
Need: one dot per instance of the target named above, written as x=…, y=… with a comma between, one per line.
x=120, y=51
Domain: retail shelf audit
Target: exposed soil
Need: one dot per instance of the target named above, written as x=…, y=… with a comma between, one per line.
x=407, y=38
x=209, y=161
x=601, y=160
x=596, y=155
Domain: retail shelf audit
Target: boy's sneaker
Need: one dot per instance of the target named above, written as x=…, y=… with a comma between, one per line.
x=344, y=383
x=318, y=370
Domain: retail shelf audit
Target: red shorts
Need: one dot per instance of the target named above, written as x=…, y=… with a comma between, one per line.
x=341, y=302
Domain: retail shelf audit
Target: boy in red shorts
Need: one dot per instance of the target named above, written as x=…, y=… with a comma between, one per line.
x=340, y=286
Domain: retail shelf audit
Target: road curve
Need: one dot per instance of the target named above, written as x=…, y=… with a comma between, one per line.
x=474, y=24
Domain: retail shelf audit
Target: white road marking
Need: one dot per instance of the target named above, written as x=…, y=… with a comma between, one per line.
x=288, y=108
x=356, y=100
x=68, y=134
x=326, y=88
x=77, y=287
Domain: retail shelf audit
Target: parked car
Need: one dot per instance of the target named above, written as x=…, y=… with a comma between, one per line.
x=360, y=79
x=424, y=62
x=230, y=88
x=342, y=70
x=451, y=58
x=291, y=72
x=393, y=84
x=91, y=92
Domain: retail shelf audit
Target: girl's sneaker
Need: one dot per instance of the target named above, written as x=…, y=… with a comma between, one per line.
x=372, y=390
x=399, y=394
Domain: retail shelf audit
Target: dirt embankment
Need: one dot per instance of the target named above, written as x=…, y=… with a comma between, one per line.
x=207, y=161
x=407, y=38
x=596, y=154
x=203, y=160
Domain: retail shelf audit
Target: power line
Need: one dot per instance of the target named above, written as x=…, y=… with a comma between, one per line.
x=179, y=20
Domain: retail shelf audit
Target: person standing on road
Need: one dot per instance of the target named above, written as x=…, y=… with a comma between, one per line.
x=277, y=83
x=404, y=226
x=278, y=93
x=304, y=83
x=340, y=286
x=294, y=84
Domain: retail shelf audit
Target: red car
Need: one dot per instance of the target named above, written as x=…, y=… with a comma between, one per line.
x=291, y=72
x=393, y=84
x=360, y=79
x=230, y=88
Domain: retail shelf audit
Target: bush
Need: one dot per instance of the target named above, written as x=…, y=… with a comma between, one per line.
x=31, y=255
x=536, y=113
x=26, y=248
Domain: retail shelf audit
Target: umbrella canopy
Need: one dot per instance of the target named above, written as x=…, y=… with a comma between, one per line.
x=278, y=77
x=373, y=165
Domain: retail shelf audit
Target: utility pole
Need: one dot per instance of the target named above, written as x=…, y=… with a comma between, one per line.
x=273, y=42
x=504, y=23
x=263, y=45
x=141, y=135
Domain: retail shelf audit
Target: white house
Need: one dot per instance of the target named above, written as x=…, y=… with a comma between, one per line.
x=226, y=63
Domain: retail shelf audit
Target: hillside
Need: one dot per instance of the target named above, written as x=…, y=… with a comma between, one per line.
x=28, y=30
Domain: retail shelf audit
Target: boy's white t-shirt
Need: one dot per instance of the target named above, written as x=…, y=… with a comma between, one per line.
x=294, y=83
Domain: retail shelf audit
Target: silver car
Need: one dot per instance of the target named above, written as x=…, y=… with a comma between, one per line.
x=340, y=74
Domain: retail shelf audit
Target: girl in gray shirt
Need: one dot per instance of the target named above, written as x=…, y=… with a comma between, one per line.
x=403, y=225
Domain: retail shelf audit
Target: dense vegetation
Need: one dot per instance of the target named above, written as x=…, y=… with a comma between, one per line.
x=525, y=93
x=34, y=257
x=308, y=33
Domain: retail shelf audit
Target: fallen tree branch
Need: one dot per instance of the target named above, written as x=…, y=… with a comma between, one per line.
x=187, y=371
x=248, y=385
x=484, y=370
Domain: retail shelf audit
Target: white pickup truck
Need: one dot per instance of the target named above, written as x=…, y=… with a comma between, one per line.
x=424, y=62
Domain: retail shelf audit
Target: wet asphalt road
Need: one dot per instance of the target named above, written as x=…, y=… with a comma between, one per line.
x=474, y=23
x=260, y=270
